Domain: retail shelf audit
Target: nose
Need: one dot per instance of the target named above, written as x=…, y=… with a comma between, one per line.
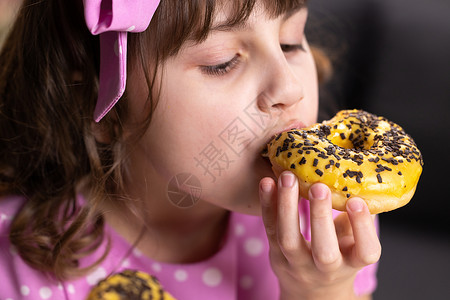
x=282, y=86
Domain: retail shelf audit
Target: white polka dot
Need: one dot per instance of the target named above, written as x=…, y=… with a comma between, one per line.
x=24, y=290
x=125, y=263
x=137, y=252
x=60, y=286
x=156, y=267
x=253, y=246
x=96, y=276
x=239, y=230
x=131, y=28
x=212, y=277
x=71, y=289
x=45, y=292
x=246, y=282
x=8, y=299
x=181, y=275
x=4, y=217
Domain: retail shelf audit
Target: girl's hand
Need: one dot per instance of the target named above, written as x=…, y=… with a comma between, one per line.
x=324, y=268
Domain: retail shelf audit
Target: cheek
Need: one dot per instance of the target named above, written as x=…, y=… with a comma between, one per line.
x=311, y=87
x=215, y=143
x=185, y=131
x=209, y=153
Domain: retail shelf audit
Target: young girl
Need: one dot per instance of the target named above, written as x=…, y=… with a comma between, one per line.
x=170, y=179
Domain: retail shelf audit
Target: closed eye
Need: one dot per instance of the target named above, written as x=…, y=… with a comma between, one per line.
x=292, y=47
x=221, y=69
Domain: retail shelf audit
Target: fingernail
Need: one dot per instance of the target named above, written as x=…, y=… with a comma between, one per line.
x=318, y=192
x=266, y=187
x=287, y=179
x=355, y=205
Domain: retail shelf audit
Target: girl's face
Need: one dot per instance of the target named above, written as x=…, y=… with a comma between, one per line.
x=220, y=102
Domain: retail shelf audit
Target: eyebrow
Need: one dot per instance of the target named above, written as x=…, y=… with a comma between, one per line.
x=245, y=26
x=293, y=11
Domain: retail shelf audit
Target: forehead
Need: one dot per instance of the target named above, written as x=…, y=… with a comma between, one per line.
x=234, y=14
x=178, y=23
x=223, y=21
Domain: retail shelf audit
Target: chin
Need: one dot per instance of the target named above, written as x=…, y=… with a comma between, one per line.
x=263, y=168
x=250, y=203
x=244, y=179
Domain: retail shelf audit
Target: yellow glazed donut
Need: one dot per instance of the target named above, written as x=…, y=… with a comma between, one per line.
x=129, y=285
x=356, y=154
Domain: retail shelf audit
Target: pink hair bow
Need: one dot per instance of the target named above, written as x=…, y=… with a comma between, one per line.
x=112, y=20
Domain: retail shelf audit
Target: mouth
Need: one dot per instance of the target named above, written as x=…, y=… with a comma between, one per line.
x=291, y=126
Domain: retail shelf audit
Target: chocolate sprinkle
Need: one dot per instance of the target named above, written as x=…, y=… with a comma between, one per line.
x=302, y=161
x=315, y=162
x=384, y=149
x=380, y=180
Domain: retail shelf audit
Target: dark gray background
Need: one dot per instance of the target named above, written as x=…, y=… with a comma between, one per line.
x=392, y=58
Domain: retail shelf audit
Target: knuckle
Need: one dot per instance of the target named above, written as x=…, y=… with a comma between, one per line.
x=271, y=228
x=372, y=257
x=321, y=212
x=266, y=203
x=288, y=245
x=328, y=260
x=271, y=232
x=328, y=278
x=278, y=262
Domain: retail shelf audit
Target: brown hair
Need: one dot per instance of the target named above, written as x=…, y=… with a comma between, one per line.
x=48, y=90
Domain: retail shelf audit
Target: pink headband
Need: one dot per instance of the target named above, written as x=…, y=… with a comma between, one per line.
x=112, y=20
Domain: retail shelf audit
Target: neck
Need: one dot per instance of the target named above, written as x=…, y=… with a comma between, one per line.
x=160, y=229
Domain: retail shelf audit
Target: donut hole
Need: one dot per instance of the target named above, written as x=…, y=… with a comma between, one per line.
x=346, y=144
x=351, y=140
x=354, y=134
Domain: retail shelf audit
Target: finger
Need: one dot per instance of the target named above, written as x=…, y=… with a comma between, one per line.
x=324, y=243
x=342, y=225
x=344, y=233
x=290, y=239
x=267, y=196
x=367, y=248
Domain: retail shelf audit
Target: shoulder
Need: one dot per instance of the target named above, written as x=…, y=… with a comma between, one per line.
x=19, y=279
x=9, y=206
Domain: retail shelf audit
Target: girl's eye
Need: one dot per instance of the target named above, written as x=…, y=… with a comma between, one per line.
x=221, y=69
x=292, y=47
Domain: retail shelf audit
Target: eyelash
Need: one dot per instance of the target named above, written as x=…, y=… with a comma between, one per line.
x=226, y=67
x=221, y=69
x=292, y=47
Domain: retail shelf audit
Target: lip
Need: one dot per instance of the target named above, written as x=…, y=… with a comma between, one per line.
x=292, y=125
x=296, y=124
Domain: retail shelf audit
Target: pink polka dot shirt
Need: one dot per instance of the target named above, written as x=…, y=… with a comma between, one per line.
x=240, y=270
